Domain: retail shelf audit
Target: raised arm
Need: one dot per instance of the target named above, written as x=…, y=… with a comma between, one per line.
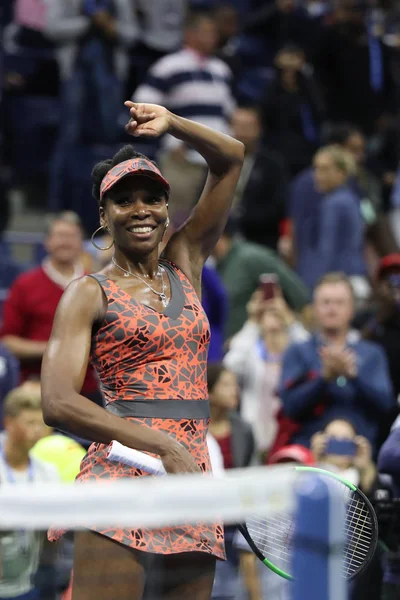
x=193, y=243
x=63, y=371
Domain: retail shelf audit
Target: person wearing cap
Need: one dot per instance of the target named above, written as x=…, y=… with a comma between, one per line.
x=256, y=582
x=141, y=324
x=293, y=453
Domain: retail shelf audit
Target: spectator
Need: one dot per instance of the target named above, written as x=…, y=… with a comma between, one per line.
x=294, y=453
x=386, y=160
x=22, y=550
x=9, y=376
x=261, y=193
x=365, y=184
x=96, y=257
x=274, y=24
x=192, y=83
x=215, y=303
x=235, y=439
x=24, y=38
x=368, y=188
x=305, y=199
x=335, y=374
x=336, y=241
x=240, y=264
x=31, y=305
x=389, y=464
x=338, y=448
x=65, y=455
x=161, y=24
x=257, y=582
x=382, y=323
x=227, y=18
x=233, y=434
x=353, y=67
x=292, y=110
x=92, y=38
x=255, y=355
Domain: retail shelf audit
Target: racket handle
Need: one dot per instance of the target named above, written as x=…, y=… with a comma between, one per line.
x=128, y=456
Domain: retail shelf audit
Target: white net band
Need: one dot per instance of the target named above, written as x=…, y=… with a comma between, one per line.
x=150, y=501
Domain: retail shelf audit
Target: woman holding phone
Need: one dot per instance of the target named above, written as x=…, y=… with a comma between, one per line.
x=255, y=355
x=338, y=448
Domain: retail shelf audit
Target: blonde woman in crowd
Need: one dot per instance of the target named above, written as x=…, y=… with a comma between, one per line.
x=332, y=239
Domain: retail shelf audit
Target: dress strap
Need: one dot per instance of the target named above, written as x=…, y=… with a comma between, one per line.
x=104, y=283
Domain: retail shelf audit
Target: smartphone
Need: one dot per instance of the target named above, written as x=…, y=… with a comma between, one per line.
x=341, y=447
x=268, y=284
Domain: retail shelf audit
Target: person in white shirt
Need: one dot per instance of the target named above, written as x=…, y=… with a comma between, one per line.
x=21, y=550
x=255, y=355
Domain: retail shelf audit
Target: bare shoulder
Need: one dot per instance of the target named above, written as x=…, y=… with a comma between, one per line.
x=85, y=297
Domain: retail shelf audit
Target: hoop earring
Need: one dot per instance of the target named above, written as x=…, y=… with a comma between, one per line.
x=167, y=222
x=94, y=243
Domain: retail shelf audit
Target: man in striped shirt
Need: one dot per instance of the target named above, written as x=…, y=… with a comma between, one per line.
x=194, y=84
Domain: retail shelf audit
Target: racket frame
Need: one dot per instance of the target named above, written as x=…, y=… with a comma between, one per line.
x=268, y=563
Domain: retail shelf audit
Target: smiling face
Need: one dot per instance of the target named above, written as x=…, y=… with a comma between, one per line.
x=135, y=212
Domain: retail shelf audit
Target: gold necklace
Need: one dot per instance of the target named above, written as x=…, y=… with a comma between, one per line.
x=161, y=295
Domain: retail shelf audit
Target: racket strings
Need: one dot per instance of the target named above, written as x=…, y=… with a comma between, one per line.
x=359, y=533
x=273, y=536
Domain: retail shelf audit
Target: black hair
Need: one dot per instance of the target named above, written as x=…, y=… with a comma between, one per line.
x=101, y=169
x=214, y=372
x=342, y=132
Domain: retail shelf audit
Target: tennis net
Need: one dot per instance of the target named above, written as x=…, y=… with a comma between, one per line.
x=156, y=502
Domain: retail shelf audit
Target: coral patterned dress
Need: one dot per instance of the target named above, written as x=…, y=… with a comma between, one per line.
x=152, y=369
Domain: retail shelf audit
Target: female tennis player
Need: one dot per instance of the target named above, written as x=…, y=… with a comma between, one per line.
x=141, y=323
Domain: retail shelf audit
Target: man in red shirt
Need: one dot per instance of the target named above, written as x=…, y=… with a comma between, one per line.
x=30, y=307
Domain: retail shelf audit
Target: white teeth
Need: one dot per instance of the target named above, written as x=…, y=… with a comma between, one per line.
x=141, y=229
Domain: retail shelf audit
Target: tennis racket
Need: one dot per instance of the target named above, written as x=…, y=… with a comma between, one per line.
x=271, y=538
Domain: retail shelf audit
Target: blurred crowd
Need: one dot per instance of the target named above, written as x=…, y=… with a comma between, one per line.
x=303, y=289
